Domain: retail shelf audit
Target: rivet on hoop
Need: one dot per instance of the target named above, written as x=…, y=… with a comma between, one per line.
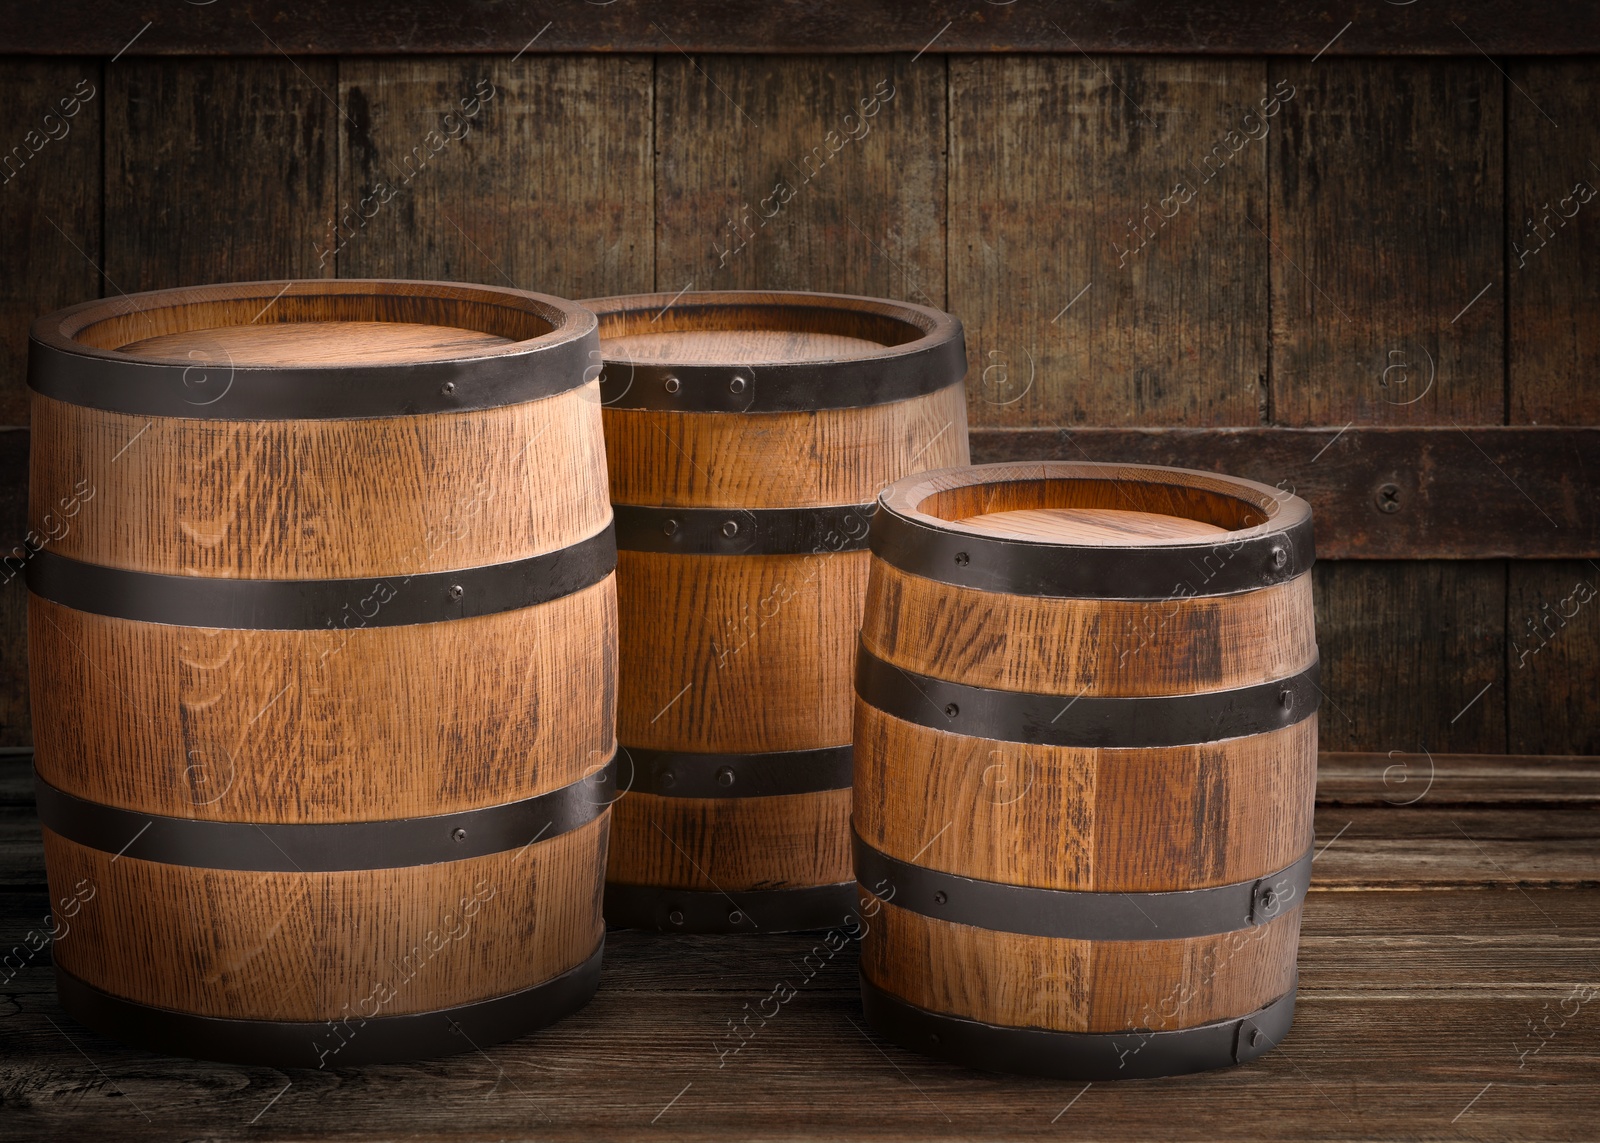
x=952, y=710
x=675, y=917
x=736, y=918
x=962, y=559
x=672, y=384
x=447, y=388
x=940, y=897
x=669, y=527
x=1280, y=557
x=725, y=776
x=730, y=528
x=456, y=591
x=737, y=385
x=459, y=834
x=1286, y=698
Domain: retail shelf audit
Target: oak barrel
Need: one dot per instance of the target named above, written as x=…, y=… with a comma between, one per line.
x=1085, y=758
x=747, y=437
x=322, y=642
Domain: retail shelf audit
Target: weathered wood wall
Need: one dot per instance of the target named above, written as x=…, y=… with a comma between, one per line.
x=1337, y=274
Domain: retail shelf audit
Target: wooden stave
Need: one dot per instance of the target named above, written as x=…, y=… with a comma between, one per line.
x=574, y=407
x=935, y=991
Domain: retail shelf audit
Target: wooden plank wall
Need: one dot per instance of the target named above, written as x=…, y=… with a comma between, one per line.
x=1266, y=244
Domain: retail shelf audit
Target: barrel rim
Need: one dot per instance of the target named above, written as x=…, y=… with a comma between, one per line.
x=1278, y=549
x=927, y=364
x=64, y=369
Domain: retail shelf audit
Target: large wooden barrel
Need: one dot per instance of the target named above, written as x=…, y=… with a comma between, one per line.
x=1086, y=749
x=747, y=436
x=322, y=652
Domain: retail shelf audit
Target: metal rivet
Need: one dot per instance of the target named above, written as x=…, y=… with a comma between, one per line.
x=962, y=559
x=940, y=898
x=669, y=527
x=668, y=778
x=737, y=385
x=725, y=776
x=459, y=834
x=1255, y=1037
x=455, y=591
x=447, y=388
x=1286, y=699
x=675, y=917
x=952, y=710
x=672, y=384
x=730, y=528
x=933, y=1037
x=1269, y=898
x=1280, y=557
x=736, y=918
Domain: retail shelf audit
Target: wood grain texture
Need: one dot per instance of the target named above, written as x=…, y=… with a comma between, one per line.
x=1553, y=657
x=15, y=729
x=1086, y=300
x=1093, y=526
x=1224, y=27
x=50, y=199
x=388, y=496
x=545, y=184
x=737, y=653
x=782, y=173
x=315, y=946
x=728, y=844
x=216, y=171
x=1077, y=986
x=773, y=460
x=1388, y=327
x=1553, y=286
x=322, y=343
x=1405, y=648
x=1128, y=821
x=1377, y=492
x=325, y=725
x=1052, y=645
x=1398, y=778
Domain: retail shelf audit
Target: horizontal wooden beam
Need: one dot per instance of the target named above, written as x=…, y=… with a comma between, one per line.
x=379, y=27
x=1379, y=493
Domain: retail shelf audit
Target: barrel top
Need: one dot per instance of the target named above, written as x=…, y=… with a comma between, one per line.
x=313, y=349
x=1110, y=531
x=750, y=352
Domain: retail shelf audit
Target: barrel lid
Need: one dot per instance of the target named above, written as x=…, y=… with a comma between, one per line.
x=751, y=352
x=1093, y=531
x=313, y=349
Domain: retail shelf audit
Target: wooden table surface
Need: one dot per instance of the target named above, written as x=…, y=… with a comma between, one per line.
x=1449, y=989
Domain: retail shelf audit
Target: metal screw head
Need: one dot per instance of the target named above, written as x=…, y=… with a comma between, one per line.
x=459, y=834
x=447, y=388
x=1387, y=498
x=1280, y=557
x=672, y=384
x=669, y=779
x=1269, y=899
x=737, y=385
x=962, y=559
x=456, y=591
x=736, y=918
x=725, y=776
x=730, y=528
x=951, y=710
x=675, y=917
x=669, y=527
x=940, y=897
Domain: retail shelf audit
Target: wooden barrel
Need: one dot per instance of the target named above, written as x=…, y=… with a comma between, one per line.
x=747, y=436
x=322, y=652
x=1086, y=746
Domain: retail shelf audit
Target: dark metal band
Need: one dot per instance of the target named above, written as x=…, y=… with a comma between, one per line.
x=1078, y=1055
x=678, y=774
x=220, y=390
x=344, y=1041
x=741, y=911
x=1086, y=721
x=743, y=531
x=1078, y=915
x=311, y=604
x=323, y=847
x=1047, y=568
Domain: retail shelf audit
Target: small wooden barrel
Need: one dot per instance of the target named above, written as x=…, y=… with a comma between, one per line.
x=748, y=436
x=1086, y=746
x=322, y=640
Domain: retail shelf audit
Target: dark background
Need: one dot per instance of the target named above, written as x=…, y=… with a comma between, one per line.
x=1364, y=303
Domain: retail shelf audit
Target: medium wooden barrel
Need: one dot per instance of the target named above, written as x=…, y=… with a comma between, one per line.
x=1086, y=745
x=322, y=652
x=747, y=436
